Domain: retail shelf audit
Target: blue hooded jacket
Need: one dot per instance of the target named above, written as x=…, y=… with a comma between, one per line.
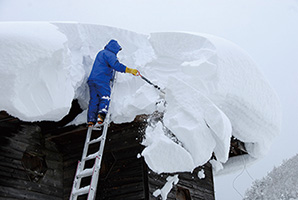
x=105, y=63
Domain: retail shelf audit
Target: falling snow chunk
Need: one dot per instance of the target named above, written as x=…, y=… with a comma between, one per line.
x=164, y=155
x=164, y=191
x=216, y=165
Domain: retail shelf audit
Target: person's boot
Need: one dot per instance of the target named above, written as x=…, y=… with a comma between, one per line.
x=101, y=118
x=90, y=124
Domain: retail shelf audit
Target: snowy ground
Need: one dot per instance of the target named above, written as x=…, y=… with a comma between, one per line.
x=213, y=88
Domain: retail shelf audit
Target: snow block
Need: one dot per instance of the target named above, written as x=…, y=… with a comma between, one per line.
x=164, y=155
x=35, y=71
x=197, y=122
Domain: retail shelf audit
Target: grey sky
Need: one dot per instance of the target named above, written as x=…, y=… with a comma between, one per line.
x=266, y=29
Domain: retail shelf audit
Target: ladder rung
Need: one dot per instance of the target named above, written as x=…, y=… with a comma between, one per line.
x=97, y=128
x=91, y=156
x=96, y=140
x=85, y=173
x=81, y=191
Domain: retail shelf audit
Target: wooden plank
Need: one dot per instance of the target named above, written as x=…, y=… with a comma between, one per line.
x=72, y=130
x=28, y=186
x=11, y=153
x=13, y=173
x=124, y=191
x=10, y=162
x=16, y=144
x=11, y=193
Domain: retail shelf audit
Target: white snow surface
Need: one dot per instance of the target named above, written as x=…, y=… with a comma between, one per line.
x=201, y=174
x=213, y=88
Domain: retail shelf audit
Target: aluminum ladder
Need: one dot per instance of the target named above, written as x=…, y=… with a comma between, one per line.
x=93, y=172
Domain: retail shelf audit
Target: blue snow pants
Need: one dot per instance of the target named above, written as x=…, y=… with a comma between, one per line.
x=99, y=99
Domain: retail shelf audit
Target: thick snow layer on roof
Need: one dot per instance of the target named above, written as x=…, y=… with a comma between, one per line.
x=35, y=71
x=213, y=88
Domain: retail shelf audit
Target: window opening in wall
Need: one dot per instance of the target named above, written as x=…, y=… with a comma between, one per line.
x=182, y=194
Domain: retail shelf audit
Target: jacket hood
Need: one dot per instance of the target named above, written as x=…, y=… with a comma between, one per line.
x=113, y=46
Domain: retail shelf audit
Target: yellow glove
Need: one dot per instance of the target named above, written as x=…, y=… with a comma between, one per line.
x=132, y=71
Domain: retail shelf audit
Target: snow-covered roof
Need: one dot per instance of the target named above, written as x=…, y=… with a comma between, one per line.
x=213, y=88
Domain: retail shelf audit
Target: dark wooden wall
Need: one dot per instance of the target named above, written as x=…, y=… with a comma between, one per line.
x=30, y=167
x=190, y=186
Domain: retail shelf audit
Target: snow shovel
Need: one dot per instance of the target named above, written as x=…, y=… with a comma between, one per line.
x=148, y=81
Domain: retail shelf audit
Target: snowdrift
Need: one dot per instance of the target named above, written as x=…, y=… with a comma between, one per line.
x=213, y=88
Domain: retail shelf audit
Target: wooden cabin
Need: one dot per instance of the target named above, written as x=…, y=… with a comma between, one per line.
x=38, y=161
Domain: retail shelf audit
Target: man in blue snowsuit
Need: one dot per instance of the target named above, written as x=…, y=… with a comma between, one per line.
x=99, y=81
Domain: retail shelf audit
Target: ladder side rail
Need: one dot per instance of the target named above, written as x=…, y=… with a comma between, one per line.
x=97, y=166
x=86, y=146
x=107, y=120
x=94, y=180
x=72, y=196
x=85, y=151
x=80, y=167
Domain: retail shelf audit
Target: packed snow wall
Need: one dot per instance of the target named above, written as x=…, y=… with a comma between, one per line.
x=213, y=88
